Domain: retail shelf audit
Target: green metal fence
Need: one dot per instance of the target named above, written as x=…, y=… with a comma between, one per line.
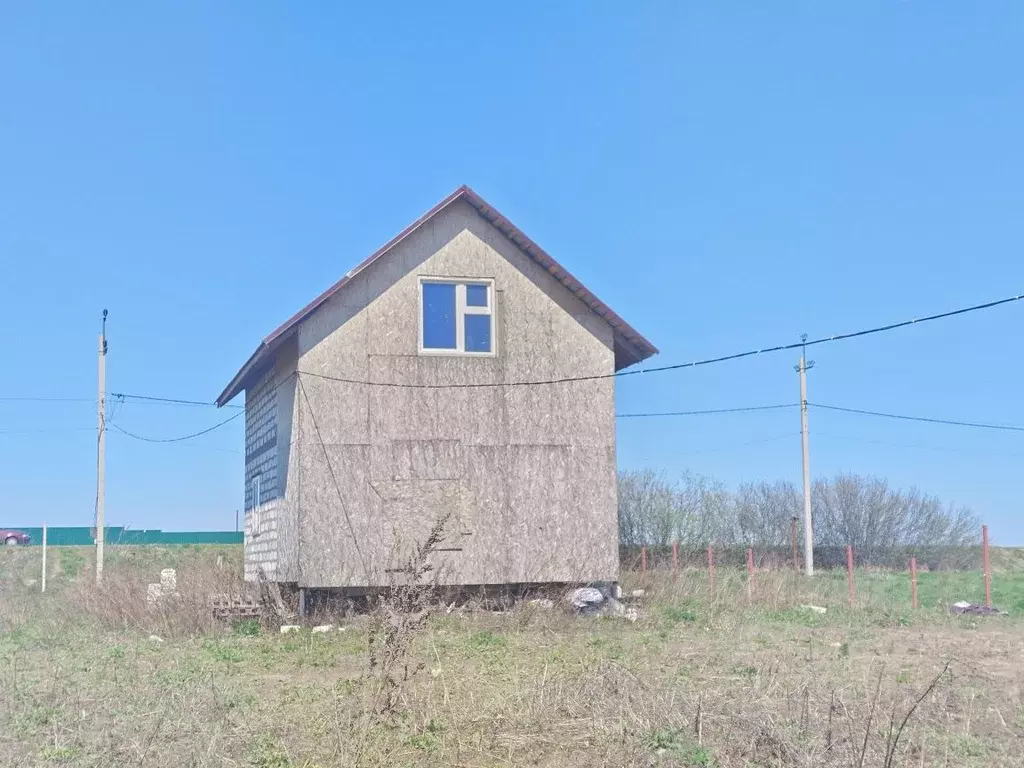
x=63, y=536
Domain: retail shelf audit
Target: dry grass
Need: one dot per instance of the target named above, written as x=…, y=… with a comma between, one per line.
x=697, y=681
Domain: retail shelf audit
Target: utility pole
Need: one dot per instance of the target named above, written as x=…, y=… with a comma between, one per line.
x=808, y=531
x=101, y=449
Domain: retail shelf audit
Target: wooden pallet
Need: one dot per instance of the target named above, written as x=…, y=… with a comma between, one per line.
x=233, y=607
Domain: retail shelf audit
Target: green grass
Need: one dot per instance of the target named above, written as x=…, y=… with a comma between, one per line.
x=59, y=754
x=967, y=746
x=531, y=687
x=485, y=640
x=674, y=614
x=675, y=743
x=246, y=627
x=266, y=754
x=72, y=562
x=936, y=590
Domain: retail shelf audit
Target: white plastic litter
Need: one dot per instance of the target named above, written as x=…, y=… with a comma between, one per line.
x=322, y=628
x=586, y=597
x=285, y=629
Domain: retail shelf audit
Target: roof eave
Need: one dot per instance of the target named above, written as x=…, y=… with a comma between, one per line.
x=237, y=384
x=638, y=347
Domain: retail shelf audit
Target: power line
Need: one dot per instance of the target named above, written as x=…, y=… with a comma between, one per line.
x=903, y=417
x=165, y=400
x=747, y=409
x=47, y=400
x=122, y=396
x=915, y=446
x=691, y=364
x=56, y=430
x=566, y=379
x=731, y=446
x=174, y=439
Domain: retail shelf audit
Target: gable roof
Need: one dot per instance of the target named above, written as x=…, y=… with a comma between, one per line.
x=630, y=346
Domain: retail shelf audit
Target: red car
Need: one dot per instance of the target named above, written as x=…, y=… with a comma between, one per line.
x=14, y=538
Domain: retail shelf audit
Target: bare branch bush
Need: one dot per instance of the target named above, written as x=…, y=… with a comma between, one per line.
x=864, y=512
x=400, y=615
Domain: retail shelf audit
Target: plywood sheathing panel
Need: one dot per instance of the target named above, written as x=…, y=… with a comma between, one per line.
x=527, y=473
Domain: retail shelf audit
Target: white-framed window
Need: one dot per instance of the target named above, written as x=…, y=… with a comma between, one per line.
x=254, y=485
x=254, y=511
x=457, y=316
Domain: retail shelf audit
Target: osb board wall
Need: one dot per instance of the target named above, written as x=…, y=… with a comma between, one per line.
x=526, y=474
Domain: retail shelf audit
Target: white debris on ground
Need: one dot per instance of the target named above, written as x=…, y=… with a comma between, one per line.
x=614, y=608
x=585, y=597
x=963, y=607
x=638, y=593
x=542, y=602
x=155, y=639
x=815, y=608
x=168, y=586
x=153, y=594
x=322, y=628
x=590, y=601
x=286, y=628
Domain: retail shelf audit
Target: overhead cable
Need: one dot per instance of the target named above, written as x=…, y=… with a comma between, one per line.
x=746, y=409
x=903, y=417
x=124, y=431
x=678, y=366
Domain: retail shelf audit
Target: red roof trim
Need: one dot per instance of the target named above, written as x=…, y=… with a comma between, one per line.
x=638, y=348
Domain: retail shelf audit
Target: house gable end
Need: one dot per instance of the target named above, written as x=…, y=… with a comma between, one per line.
x=363, y=284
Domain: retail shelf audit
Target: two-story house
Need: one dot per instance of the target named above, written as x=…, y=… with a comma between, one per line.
x=459, y=372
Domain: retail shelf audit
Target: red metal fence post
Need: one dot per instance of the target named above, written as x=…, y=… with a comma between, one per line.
x=849, y=571
x=750, y=573
x=711, y=570
x=913, y=582
x=985, y=566
x=675, y=561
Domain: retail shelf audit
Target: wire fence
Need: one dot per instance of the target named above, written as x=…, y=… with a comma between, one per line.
x=825, y=558
x=894, y=577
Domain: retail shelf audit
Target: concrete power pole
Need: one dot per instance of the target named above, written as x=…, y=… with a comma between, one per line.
x=808, y=530
x=101, y=450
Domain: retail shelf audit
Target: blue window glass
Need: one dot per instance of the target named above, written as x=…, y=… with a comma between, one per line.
x=438, y=316
x=476, y=295
x=478, y=333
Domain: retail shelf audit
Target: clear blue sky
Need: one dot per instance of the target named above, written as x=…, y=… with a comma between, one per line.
x=723, y=175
